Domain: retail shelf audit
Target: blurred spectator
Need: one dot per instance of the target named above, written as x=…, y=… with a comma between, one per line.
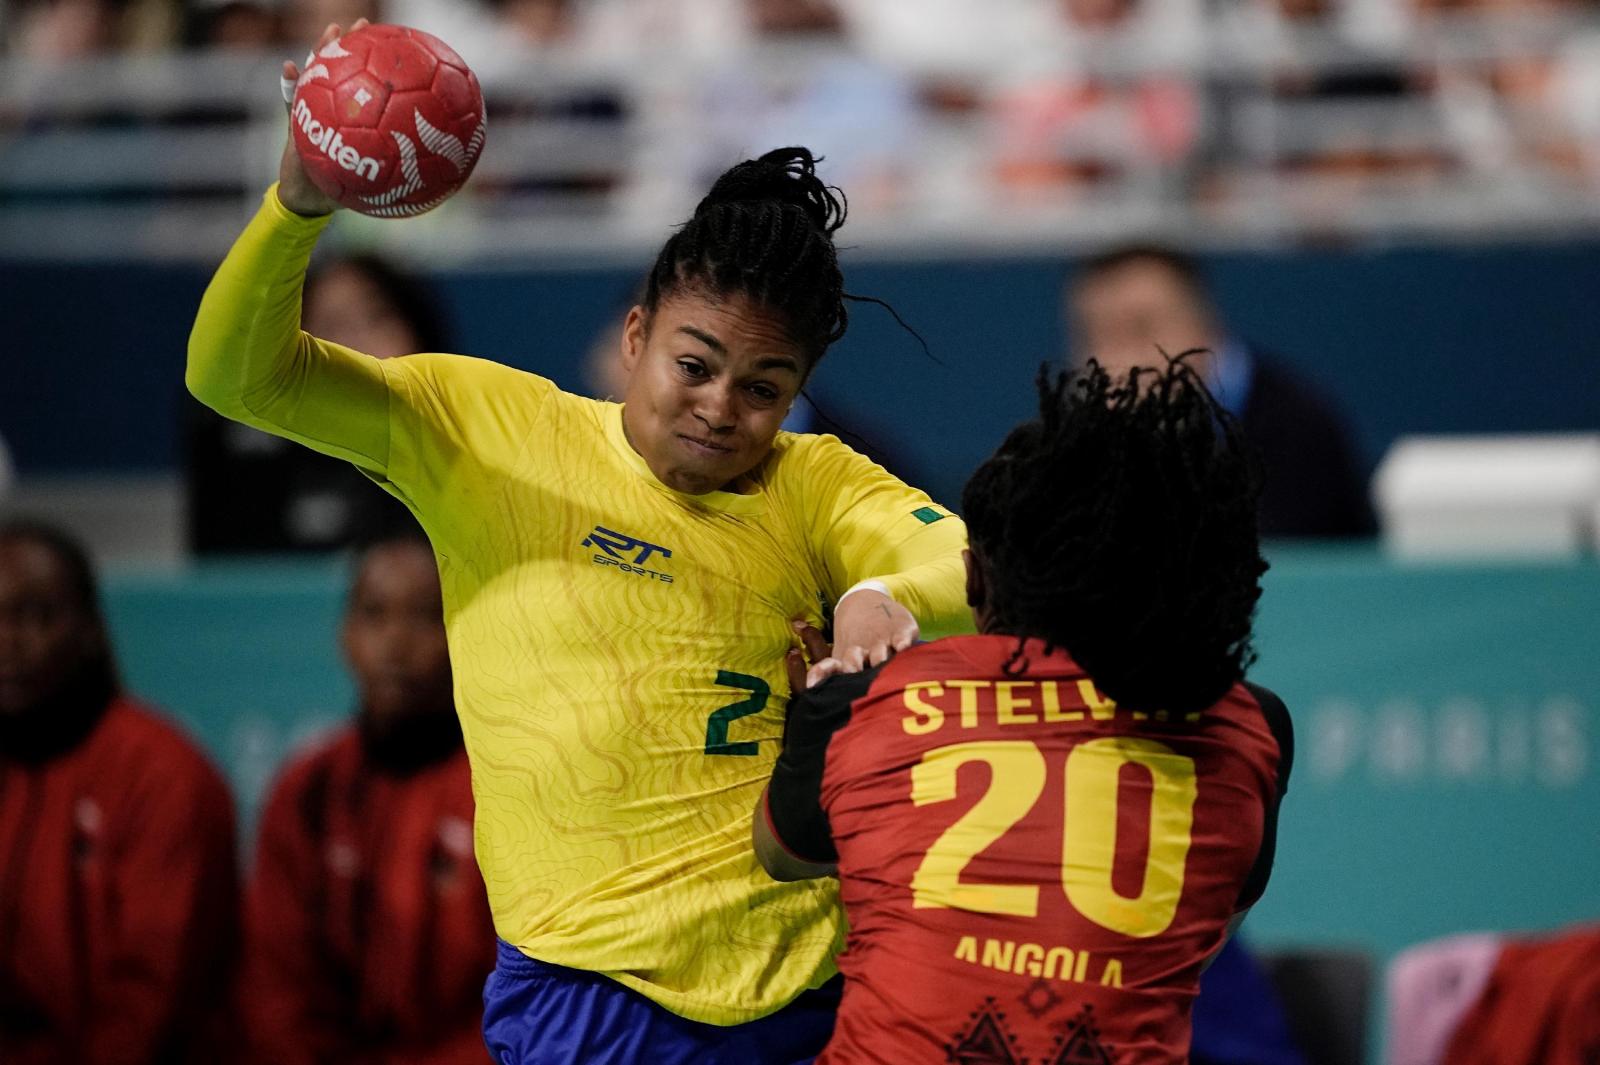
x=1541, y=1006
x=1490, y=999
x=1103, y=90
x=238, y=25
x=1324, y=106
x=369, y=929
x=119, y=899
x=304, y=20
x=803, y=79
x=251, y=491
x=1128, y=305
x=1237, y=1018
x=1528, y=113
x=76, y=29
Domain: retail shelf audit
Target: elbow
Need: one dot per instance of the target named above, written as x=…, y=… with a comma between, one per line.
x=201, y=385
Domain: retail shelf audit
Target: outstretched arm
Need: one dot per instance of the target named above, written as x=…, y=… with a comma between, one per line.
x=895, y=555
x=248, y=358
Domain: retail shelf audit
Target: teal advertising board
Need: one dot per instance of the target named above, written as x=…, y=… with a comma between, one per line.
x=1447, y=725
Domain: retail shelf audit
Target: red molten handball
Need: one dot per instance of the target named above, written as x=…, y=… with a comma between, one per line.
x=388, y=121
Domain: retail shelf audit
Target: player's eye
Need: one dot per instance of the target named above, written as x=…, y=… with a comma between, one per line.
x=764, y=393
x=694, y=368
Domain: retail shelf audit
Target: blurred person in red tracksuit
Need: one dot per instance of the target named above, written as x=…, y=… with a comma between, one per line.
x=369, y=936
x=118, y=891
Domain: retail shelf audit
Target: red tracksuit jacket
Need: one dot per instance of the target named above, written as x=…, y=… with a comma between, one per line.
x=369, y=936
x=118, y=898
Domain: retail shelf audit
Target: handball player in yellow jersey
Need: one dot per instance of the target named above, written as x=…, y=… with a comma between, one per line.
x=622, y=584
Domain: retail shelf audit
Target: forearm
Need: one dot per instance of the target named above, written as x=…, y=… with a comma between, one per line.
x=934, y=591
x=250, y=361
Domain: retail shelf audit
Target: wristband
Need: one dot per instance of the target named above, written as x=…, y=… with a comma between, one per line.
x=864, y=586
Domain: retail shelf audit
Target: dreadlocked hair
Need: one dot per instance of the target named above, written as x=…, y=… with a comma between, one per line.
x=765, y=230
x=1121, y=527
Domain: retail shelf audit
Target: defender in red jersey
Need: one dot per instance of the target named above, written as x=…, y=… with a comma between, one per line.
x=1043, y=832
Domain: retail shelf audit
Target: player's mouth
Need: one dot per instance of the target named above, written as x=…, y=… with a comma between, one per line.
x=704, y=448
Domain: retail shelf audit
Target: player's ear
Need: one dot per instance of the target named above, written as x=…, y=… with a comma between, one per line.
x=633, y=337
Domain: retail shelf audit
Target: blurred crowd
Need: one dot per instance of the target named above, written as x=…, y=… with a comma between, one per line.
x=1321, y=103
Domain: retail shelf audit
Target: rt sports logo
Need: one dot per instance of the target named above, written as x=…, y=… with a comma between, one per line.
x=627, y=553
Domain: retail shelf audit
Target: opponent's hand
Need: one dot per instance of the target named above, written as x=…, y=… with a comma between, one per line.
x=813, y=649
x=296, y=190
x=868, y=628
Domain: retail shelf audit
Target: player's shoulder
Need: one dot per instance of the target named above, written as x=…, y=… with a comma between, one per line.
x=816, y=460
x=1278, y=721
x=319, y=762
x=445, y=372
x=138, y=732
x=151, y=756
x=314, y=775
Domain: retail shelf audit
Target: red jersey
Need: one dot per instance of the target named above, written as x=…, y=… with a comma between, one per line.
x=118, y=893
x=1030, y=872
x=1542, y=1004
x=369, y=935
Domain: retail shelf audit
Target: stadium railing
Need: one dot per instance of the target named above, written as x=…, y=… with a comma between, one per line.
x=1294, y=134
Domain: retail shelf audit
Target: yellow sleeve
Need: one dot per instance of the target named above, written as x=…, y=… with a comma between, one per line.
x=249, y=361
x=872, y=526
x=435, y=429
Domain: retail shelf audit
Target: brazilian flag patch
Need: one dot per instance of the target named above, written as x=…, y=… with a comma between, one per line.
x=928, y=515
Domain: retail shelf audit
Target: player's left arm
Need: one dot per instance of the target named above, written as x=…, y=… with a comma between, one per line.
x=894, y=551
x=791, y=832
x=1255, y=885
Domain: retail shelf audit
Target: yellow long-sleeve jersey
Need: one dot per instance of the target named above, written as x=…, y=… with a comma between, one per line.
x=617, y=645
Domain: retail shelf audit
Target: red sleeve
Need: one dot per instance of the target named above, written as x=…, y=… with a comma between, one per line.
x=287, y=995
x=169, y=954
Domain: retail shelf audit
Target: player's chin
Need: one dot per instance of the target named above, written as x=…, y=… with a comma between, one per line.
x=710, y=468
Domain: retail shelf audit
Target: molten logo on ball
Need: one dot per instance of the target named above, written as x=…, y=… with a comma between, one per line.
x=332, y=145
x=388, y=121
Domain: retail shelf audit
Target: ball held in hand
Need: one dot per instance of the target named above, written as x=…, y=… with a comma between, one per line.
x=388, y=120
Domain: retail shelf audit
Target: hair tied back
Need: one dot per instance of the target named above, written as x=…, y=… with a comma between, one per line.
x=785, y=176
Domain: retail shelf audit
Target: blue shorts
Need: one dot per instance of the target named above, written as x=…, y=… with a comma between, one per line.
x=540, y=1014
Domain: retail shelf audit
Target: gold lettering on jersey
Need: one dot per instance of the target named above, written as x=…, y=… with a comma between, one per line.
x=1050, y=690
x=925, y=717
x=1039, y=961
x=1014, y=703
x=997, y=954
x=1100, y=708
x=1008, y=703
x=969, y=699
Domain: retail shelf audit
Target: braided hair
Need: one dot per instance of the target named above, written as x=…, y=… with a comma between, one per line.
x=1121, y=527
x=765, y=230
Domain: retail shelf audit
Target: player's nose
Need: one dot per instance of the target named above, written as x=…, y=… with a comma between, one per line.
x=715, y=408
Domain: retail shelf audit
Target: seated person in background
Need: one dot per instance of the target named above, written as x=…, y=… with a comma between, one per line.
x=1042, y=832
x=118, y=892
x=1129, y=304
x=369, y=936
x=1541, y=1005
x=251, y=491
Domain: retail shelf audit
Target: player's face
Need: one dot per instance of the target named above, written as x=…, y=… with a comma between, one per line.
x=709, y=383
x=46, y=636
x=394, y=634
x=1128, y=317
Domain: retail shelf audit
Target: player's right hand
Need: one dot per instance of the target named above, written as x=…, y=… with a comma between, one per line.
x=296, y=190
